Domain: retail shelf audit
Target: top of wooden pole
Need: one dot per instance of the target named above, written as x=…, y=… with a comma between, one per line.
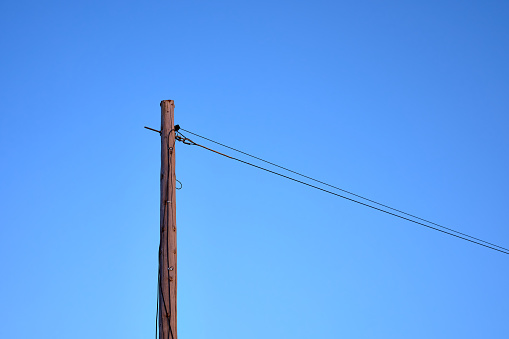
x=171, y=102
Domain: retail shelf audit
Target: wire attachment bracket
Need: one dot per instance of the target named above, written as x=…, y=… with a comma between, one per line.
x=184, y=140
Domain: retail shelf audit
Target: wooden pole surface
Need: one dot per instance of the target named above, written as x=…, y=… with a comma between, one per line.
x=168, y=241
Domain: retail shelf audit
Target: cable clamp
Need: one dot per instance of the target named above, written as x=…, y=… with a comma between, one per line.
x=184, y=140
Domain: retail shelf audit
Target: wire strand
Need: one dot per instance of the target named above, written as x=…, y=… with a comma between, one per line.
x=360, y=202
x=157, y=305
x=343, y=190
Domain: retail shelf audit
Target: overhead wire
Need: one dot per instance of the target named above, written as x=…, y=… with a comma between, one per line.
x=157, y=305
x=448, y=231
x=343, y=190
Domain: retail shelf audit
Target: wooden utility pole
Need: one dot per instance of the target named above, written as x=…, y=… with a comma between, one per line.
x=168, y=243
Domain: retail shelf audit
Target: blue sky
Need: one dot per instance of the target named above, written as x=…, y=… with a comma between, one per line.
x=403, y=102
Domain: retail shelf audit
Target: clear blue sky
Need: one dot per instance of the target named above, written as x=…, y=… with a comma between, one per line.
x=404, y=102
